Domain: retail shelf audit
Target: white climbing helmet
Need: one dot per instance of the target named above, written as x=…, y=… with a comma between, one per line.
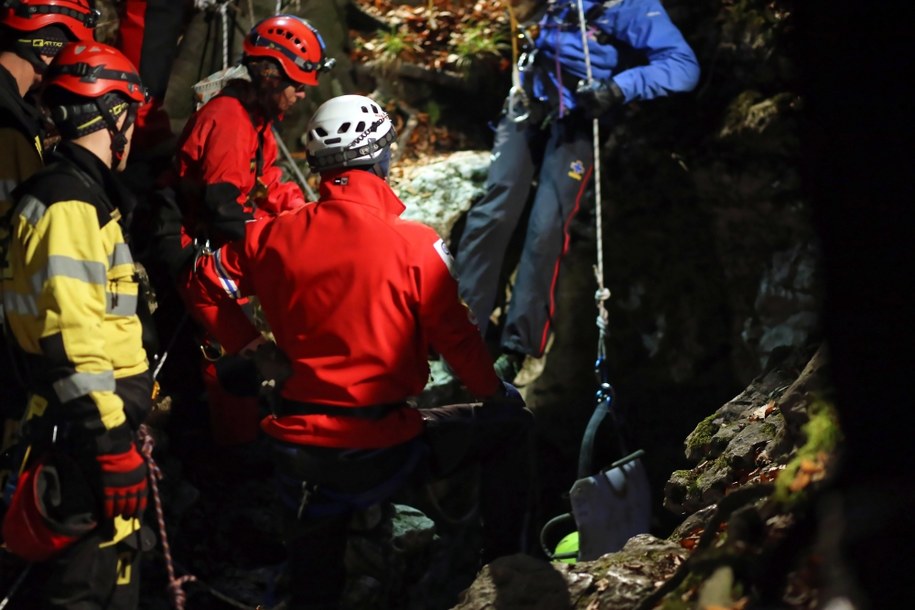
x=348, y=131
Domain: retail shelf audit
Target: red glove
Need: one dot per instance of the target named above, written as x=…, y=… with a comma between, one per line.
x=124, y=485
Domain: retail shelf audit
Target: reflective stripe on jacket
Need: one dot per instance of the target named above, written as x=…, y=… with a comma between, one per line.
x=642, y=26
x=72, y=299
x=356, y=298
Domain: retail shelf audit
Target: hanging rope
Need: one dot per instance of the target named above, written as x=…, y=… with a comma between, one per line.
x=602, y=293
x=224, y=18
x=175, y=584
x=516, y=95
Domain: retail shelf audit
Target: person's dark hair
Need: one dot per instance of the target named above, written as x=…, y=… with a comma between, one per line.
x=257, y=94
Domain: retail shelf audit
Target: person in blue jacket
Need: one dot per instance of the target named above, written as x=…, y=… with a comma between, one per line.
x=636, y=53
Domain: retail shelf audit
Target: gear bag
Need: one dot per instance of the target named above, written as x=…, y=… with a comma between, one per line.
x=51, y=508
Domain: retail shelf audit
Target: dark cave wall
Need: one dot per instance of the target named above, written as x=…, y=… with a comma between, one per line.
x=708, y=248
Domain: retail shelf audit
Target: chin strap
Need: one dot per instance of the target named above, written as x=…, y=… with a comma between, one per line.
x=118, y=136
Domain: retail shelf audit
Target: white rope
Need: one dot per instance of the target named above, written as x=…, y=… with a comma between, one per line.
x=517, y=100
x=224, y=16
x=602, y=293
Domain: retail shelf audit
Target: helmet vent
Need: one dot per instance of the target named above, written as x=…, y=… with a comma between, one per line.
x=333, y=140
x=344, y=127
x=360, y=126
x=321, y=132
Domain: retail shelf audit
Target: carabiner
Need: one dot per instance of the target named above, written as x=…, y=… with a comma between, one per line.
x=517, y=102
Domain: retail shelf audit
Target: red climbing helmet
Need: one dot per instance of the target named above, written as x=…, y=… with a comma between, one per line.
x=77, y=16
x=93, y=69
x=294, y=43
x=107, y=81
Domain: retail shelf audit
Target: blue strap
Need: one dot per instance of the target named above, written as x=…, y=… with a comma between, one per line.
x=323, y=501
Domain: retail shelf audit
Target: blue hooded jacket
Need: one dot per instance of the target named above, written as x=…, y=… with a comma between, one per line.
x=613, y=28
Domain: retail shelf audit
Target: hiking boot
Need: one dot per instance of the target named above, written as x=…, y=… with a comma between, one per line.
x=508, y=365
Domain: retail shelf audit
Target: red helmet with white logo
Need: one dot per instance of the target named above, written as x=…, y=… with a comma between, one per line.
x=93, y=69
x=77, y=16
x=293, y=43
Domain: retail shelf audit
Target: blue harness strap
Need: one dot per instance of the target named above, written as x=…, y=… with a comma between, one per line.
x=311, y=500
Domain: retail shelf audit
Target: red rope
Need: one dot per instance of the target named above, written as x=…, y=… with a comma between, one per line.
x=175, y=584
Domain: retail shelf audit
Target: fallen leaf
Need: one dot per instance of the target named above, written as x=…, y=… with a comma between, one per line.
x=810, y=466
x=801, y=480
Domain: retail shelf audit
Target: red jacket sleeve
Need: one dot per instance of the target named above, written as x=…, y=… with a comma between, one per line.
x=211, y=289
x=446, y=321
x=222, y=143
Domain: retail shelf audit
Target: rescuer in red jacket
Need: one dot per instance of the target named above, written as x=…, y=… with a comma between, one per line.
x=225, y=175
x=356, y=298
x=226, y=158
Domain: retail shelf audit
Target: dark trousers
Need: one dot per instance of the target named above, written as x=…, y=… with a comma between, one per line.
x=497, y=437
x=559, y=158
x=92, y=574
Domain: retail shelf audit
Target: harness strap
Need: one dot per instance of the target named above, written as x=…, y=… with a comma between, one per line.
x=317, y=500
x=373, y=412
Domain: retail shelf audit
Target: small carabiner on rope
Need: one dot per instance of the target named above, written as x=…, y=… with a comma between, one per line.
x=601, y=369
x=518, y=110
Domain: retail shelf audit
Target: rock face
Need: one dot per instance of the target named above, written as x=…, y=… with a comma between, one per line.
x=745, y=533
x=619, y=581
x=439, y=192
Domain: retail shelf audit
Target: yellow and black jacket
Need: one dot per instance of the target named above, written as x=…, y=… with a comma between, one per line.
x=20, y=148
x=71, y=301
x=20, y=156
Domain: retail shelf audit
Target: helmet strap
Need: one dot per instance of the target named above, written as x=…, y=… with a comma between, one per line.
x=382, y=166
x=24, y=49
x=118, y=135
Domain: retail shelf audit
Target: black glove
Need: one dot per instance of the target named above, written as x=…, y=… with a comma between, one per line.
x=224, y=218
x=272, y=364
x=598, y=96
x=167, y=222
x=238, y=375
x=246, y=374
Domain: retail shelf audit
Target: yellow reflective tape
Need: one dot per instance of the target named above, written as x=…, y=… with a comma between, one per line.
x=37, y=406
x=124, y=569
x=122, y=528
x=89, y=122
